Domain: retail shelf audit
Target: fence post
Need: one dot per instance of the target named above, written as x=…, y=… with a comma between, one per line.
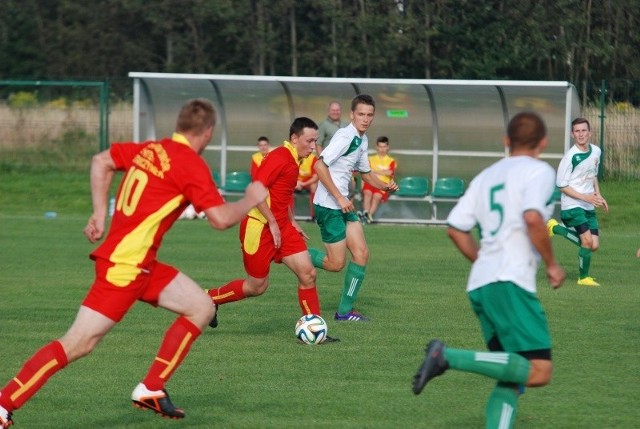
x=104, y=116
x=603, y=91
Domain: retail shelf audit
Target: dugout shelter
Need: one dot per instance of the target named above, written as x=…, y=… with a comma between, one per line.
x=441, y=132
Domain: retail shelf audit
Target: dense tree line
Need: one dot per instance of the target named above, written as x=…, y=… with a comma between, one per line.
x=574, y=40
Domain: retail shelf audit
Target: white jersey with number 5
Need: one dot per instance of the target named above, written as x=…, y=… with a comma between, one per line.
x=496, y=201
x=578, y=170
x=346, y=153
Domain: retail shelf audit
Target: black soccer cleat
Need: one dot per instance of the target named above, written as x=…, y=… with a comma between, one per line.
x=158, y=401
x=214, y=321
x=434, y=365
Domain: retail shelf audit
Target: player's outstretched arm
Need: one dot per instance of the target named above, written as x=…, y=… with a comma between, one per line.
x=325, y=178
x=465, y=243
x=595, y=198
x=274, y=228
x=539, y=236
x=294, y=222
x=600, y=201
x=102, y=170
x=375, y=181
x=226, y=215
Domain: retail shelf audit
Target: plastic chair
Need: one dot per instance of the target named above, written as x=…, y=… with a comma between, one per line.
x=216, y=178
x=413, y=186
x=448, y=187
x=237, y=181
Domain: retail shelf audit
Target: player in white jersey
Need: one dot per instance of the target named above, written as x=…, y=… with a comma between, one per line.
x=577, y=179
x=510, y=202
x=339, y=225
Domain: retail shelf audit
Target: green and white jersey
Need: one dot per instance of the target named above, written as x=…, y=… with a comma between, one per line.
x=578, y=170
x=346, y=153
x=496, y=201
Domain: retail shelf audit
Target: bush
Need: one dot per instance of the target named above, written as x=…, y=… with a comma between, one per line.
x=22, y=100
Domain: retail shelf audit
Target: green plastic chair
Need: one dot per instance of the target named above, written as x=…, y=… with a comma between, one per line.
x=413, y=186
x=216, y=178
x=448, y=187
x=237, y=181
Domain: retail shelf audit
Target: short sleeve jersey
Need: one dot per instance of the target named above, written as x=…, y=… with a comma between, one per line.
x=346, y=153
x=496, y=201
x=161, y=179
x=279, y=174
x=578, y=170
x=386, y=163
x=307, y=168
x=256, y=160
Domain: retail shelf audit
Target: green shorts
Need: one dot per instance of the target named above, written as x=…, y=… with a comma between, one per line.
x=333, y=223
x=511, y=315
x=580, y=219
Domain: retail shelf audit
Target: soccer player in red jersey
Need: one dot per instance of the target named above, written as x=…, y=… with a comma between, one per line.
x=161, y=178
x=270, y=232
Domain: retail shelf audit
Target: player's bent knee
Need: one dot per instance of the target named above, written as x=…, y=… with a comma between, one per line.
x=586, y=242
x=78, y=348
x=333, y=266
x=361, y=256
x=202, y=312
x=333, y=263
x=307, y=277
x=540, y=373
x=256, y=289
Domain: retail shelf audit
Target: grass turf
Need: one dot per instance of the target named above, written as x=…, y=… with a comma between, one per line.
x=250, y=372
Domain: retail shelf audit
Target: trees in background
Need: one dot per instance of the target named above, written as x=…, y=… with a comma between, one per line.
x=575, y=40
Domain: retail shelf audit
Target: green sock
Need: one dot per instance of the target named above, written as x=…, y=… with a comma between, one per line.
x=567, y=233
x=501, y=407
x=502, y=366
x=353, y=279
x=317, y=257
x=584, y=261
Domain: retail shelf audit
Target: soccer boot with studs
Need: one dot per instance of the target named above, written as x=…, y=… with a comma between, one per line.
x=434, y=364
x=156, y=400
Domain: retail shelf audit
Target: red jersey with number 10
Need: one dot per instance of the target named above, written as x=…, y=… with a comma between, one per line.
x=161, y=179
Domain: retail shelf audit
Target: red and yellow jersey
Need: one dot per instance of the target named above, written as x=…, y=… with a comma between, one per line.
x=380, y=164
x=161, y=179
x=307, y=168
x=256, y=160
x=279, y=174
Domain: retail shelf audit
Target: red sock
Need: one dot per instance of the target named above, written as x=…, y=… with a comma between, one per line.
x=230, y=292
x=33, y=375
x=175, y=346
x=309, y=301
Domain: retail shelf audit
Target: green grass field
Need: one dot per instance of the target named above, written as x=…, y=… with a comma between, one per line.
x=251, y=373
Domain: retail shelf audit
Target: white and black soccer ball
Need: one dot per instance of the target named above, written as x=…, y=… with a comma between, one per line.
x=311, y=329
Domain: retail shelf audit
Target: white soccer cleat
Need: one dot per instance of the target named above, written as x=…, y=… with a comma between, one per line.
x=5, y=418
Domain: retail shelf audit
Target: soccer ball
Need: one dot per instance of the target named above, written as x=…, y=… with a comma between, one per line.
x=311, y=329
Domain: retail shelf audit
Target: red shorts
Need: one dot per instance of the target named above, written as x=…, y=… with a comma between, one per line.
x=258, y=249
x=114, y=300
x=374, y=190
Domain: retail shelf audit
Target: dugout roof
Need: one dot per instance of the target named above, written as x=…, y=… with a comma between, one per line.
x=436, y=128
